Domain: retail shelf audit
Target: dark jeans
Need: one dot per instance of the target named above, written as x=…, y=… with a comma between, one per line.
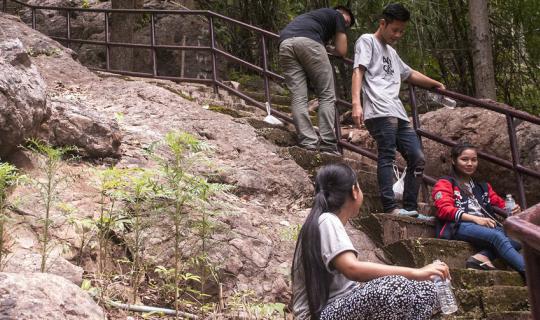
x=393, y=134
x=494, y=242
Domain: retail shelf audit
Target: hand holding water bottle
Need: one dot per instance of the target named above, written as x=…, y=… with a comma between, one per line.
x=446, y=297
x=510, y=205
x=435, y=269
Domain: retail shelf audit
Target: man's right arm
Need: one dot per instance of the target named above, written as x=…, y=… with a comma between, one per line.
x=341, y=44
x=356, y=89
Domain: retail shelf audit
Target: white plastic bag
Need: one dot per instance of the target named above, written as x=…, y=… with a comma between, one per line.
x=270, y=118
x=399, y=185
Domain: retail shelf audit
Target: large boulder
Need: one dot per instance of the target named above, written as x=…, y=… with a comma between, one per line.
x=488, y=131
x=29, y=262
x=23, y=105
x=44, y=296
x=73, y=123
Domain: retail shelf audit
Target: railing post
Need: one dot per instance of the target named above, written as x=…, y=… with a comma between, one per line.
x=515, y=159
x=153, y=43
x=107, y=46
x=213, y=50
x=265, y=71
x=4, y=5
x=68, y=26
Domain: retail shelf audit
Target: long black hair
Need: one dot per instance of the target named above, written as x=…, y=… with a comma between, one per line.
x=333, y=185
x=456, y=151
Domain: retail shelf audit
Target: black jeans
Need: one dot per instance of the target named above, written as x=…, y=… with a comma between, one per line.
x=392, y=133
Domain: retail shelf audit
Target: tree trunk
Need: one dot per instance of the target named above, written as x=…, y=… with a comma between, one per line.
x=484, y=74
x=121, y=30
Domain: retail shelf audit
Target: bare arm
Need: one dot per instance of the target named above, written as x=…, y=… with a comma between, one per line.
x=486, y=222
x=356, y=89
x=341, y=44
x=362, y=271
x=424, y=81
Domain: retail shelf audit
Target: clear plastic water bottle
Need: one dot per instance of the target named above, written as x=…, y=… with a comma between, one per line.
x=446, y=297
x=509, y=204
x=443, y=100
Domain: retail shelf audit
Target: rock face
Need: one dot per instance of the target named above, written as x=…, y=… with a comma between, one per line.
x=27, y=262
x=44, y=296
x=23, y=105
x=483, y=128
x=74, y=124
x=488, y=131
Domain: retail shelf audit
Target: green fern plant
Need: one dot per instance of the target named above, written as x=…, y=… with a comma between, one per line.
x=49, y=161
x=9, y=176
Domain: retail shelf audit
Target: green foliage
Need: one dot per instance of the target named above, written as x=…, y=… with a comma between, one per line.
x=247, y=302
x=9, y=176
x=185, y=191
x=436, y=41
x=85, y=228
x=49, y=161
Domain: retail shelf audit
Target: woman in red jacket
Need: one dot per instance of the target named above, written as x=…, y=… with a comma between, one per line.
x=465, y=212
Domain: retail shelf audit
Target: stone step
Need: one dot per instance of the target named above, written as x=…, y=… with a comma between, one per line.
x=276, y=99
x=421, y=251
x=472, y=279
x=385, y=229
x=505, y=315
x=481, y=302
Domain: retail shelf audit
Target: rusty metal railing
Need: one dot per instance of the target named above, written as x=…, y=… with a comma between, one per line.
x=525, y=227
x=267, y=74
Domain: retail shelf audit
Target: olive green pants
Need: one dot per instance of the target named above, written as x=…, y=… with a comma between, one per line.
x=303, y=60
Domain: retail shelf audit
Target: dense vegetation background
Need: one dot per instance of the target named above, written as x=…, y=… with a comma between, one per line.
x=438, y=41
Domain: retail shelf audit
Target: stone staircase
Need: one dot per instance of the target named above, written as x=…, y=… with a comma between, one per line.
x=499, y=294
x=494, y=295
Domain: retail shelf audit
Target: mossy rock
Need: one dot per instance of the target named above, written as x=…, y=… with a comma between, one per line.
x=385, y=229
x=278, y=136
x=258, y=123
x=509, y=315
x=311, y=160
x=506, y=315
x=482, y=303
x=497, y=299
x=472, y=279
x=228, y=111
x=422, y=251
x=275, y=98
x=281, y=108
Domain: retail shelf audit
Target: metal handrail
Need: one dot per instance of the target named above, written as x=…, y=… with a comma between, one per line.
x=267, y=74
x=525, y=227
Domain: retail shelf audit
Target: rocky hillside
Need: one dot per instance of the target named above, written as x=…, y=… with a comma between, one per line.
x=113, y=121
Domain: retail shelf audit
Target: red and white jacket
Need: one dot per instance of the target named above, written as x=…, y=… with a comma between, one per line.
x=451, y=203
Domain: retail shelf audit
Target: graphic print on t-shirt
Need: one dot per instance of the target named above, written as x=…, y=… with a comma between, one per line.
x=387, y=67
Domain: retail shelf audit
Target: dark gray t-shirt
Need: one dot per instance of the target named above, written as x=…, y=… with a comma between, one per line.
x=320, y=25
x=334, y=240
x=382, y=80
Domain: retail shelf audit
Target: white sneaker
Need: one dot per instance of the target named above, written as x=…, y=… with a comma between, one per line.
x=407, y=213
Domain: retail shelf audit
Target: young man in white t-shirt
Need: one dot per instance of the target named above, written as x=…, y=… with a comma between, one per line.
x=378, y=72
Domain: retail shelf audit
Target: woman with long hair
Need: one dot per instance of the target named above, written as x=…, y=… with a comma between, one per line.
x=465, y=212
x=329, y=282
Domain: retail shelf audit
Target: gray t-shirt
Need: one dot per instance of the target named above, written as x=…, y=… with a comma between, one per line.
x=334, y=240
x=384, y=72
